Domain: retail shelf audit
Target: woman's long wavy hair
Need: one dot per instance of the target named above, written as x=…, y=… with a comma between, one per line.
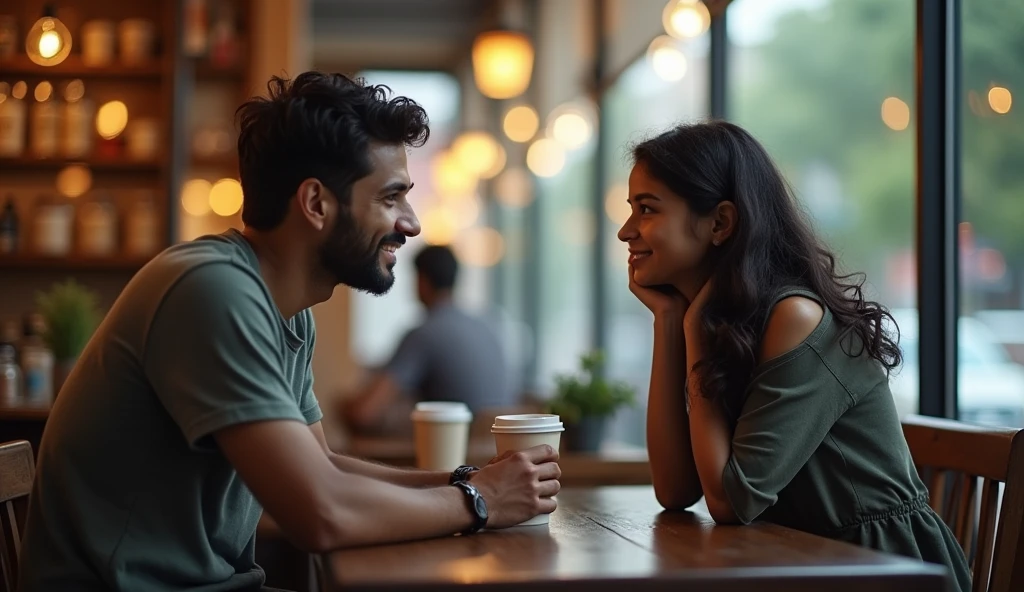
x=772, y=247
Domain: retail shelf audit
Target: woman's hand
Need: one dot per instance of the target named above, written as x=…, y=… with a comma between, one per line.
x=691, y=321
x=661, y=300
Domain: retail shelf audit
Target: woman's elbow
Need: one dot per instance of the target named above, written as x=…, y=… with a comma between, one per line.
x=677, y=498
x=721, y=511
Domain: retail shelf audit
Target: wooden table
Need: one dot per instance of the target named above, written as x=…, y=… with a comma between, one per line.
x=615, y=464
x=618, y=538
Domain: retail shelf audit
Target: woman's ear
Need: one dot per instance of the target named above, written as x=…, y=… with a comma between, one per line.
x=724, y=223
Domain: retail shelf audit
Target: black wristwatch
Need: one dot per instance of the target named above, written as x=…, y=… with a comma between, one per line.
x=477, y=505
x=461, y=474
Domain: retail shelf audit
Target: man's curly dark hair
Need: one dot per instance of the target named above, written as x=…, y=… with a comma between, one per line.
x=316, y=126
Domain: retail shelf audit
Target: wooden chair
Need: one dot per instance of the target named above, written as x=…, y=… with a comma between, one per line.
x=17, y=469
x=952, y=458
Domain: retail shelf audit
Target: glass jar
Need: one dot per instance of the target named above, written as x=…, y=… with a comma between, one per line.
x=46, y=116
x=142, y=229
x=8, y=37
x=98, y=40
x=12, y=123
x=97, y=229
x=52, y=228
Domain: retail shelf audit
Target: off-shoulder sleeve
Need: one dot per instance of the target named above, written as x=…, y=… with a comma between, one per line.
x=790, y=408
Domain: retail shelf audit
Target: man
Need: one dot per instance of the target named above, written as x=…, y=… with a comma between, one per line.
x=192, y=407
x=452, y=356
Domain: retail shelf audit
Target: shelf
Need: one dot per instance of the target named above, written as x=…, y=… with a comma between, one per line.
x=23, y=164
x=207, y=72
x=72, y=67
x=72, y=263
x=225, y=161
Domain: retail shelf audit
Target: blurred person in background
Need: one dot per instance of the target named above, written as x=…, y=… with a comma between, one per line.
x=452, y=356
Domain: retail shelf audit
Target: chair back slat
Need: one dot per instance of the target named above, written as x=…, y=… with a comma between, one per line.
x=937, y=490
x=986, y=531
x=952, y=457
x=966, y=512
x=17, y=469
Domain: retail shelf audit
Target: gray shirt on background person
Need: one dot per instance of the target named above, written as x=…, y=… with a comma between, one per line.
x=453, y=356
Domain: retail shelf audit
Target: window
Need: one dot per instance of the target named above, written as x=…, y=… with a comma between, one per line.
x=380, y=323
x=567, y=238
x=648, y=98
x=991, y=348
x=827, y=86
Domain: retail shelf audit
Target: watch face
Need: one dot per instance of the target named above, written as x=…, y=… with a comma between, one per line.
x=481, y=508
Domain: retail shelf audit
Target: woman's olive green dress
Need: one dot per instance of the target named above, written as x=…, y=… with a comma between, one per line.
x=818, y=447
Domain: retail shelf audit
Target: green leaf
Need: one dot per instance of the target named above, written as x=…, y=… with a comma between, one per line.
x=71, y=315
x=588, y=393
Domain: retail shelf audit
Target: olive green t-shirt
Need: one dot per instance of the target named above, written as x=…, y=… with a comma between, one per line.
x=131, y=492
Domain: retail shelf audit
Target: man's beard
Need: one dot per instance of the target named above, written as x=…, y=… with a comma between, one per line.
x=354, y=259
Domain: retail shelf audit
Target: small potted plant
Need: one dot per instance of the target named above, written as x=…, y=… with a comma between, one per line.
x=586, y=401
x=71, y=316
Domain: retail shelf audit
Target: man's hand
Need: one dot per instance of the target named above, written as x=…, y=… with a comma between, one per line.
x=518, y=486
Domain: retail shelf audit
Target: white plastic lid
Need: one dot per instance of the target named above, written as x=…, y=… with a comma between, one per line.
x=531, y=423
x=441, y=411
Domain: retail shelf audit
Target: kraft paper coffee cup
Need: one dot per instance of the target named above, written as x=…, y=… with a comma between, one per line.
x=442, y=434
x=519, y=432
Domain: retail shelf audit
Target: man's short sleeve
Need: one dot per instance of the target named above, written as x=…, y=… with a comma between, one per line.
x=308, y=404
x=408, y=367
x=214, y=354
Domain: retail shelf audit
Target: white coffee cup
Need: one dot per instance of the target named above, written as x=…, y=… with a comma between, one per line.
x=441, y=429
x=519, y=432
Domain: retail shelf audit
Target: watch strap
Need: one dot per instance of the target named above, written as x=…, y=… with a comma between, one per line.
x=461, y=474
x=477, y=506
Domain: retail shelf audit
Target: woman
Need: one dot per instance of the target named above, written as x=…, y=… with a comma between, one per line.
x=769, y=388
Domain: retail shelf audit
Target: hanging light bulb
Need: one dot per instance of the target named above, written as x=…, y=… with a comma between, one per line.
x=571, y=124
x=685, y=19
x=502, y=63
x=48, y=41
x=480, y=153
x=666, y=59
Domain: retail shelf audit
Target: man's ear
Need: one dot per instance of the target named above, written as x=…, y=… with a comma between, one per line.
x=312, y=200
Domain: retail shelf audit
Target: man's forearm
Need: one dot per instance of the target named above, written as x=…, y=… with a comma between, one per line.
x=395, y=475
x=371, y=511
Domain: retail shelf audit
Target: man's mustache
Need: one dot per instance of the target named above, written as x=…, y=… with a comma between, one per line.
x=396, y=237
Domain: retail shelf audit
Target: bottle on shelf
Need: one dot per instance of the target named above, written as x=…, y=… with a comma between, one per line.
x=223, y=38
x=12, y=121
x=46, y=126
x=195, y=27
x=78, y=121
x=37, y=361
x=10, y=374
x=9, y=228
